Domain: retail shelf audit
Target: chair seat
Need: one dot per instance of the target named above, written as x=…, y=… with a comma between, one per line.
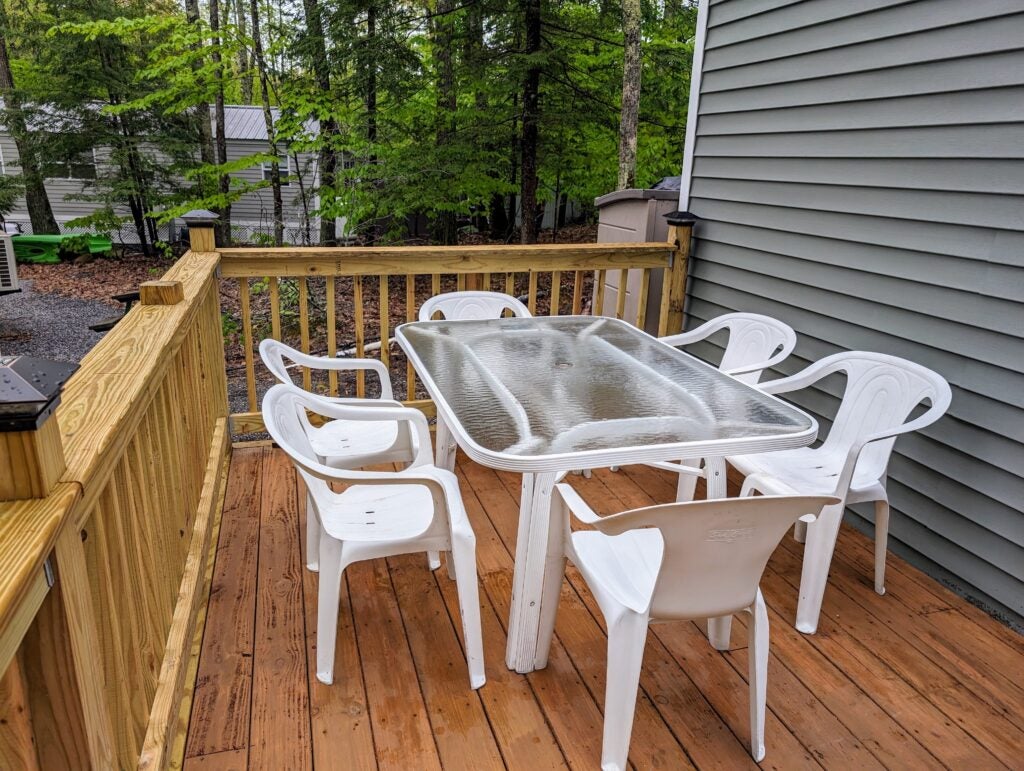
x=340, y=440
x=377, y=512
x=804, y=471
x=623, y=568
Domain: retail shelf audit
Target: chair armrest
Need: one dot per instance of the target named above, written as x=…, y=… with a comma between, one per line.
x=684, y=338
x=676, y=468
x=376, y=412
x=576, y=505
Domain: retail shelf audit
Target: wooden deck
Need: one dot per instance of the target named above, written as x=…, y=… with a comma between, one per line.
x=915, y=679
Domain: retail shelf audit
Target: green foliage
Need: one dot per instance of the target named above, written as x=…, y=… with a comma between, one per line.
x=11, y=189
x=134, y=77
x=73, y=246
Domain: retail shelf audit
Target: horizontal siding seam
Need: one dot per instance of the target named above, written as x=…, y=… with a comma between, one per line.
x=860, y=100
x=848, y=45
x=867, y=185
x=853, y=129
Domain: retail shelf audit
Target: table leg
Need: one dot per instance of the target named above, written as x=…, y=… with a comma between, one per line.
x=715, y=471
x=538, y=572
x=444, y=446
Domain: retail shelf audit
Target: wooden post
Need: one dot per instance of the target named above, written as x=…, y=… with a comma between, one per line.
x=31, y=453
x=201, y=230
x=161, y=292
x=673, y=288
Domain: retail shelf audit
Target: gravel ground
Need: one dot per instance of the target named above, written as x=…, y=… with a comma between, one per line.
x=51, y=326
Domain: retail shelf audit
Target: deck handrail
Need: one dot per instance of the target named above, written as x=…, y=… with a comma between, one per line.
x=123, y=534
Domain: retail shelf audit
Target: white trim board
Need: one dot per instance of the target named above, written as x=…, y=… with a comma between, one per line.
x=696, y=73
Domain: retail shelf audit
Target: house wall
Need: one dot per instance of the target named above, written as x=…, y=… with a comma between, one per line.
x=858, y=170
x=253, y=212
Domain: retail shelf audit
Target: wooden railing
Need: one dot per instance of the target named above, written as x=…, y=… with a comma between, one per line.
x=95, y=666
x=554, y=279
x=105, y=556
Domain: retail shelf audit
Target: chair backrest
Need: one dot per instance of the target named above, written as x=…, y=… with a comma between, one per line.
x=276, y=355
x=753, y=340
x=714, y=551
x=456, y=306
x=881, y=392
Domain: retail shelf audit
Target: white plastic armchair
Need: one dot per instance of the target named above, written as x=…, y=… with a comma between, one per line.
x=342, y=443
x=380, y=513
x=881, y=392
x=675, y=561
x=456, y=306
x=755, y=343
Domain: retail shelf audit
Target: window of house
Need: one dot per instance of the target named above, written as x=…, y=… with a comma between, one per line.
x=71, y=166
x=285, y=171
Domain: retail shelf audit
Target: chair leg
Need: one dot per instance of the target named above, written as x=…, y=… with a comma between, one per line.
x=757, y=651
x=800, y=531
x=433, y=560
x=821, y=542
x=881, y=543
x=687, y=484
x=312, y=536
x=626, y=637
x=464, y=556
x=328, y=599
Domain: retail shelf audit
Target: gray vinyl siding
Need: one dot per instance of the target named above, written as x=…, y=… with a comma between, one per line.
x=859, y=172
x=252, y=210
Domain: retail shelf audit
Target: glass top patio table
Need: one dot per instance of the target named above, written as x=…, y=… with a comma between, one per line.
x=546, y=393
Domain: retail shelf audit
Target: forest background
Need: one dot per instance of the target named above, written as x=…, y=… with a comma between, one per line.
x=471, y=114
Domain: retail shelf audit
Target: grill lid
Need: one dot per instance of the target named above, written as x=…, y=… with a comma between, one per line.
x=30, y=390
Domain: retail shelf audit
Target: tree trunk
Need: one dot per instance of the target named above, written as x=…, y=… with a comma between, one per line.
x=268, y=118
x=444, y=226
x=202, y=110
x=243, y=60
x=369, y=69
x=629, y=118
x=39, y=210
x=531, y=118
x=223, y=180
x=327, y=163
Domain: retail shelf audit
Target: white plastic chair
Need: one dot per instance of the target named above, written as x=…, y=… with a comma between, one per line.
x=456, y=306
x=380, y=513
x=690, y=560
x=755, y=343
x=344, y=443
x=881, y=392
x=459, y=306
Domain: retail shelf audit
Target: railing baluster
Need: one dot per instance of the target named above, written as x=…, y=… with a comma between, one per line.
x=460, y=282
x=577, y=293
x=598, y=308
x=275, y=308
x=307, y=376
x=410, y=315
x=620, y=298
x=250, y=374
x=487, y=282
x=556, y=292
x=332, y=335
x=531, y=293
x=385, y=331
x=435, y=284
x=645, y=289
x=357, y=301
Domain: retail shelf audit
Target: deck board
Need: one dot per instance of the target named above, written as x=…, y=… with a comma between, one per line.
x=917, y=678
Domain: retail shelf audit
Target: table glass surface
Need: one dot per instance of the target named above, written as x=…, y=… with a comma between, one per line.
x=552, y=385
